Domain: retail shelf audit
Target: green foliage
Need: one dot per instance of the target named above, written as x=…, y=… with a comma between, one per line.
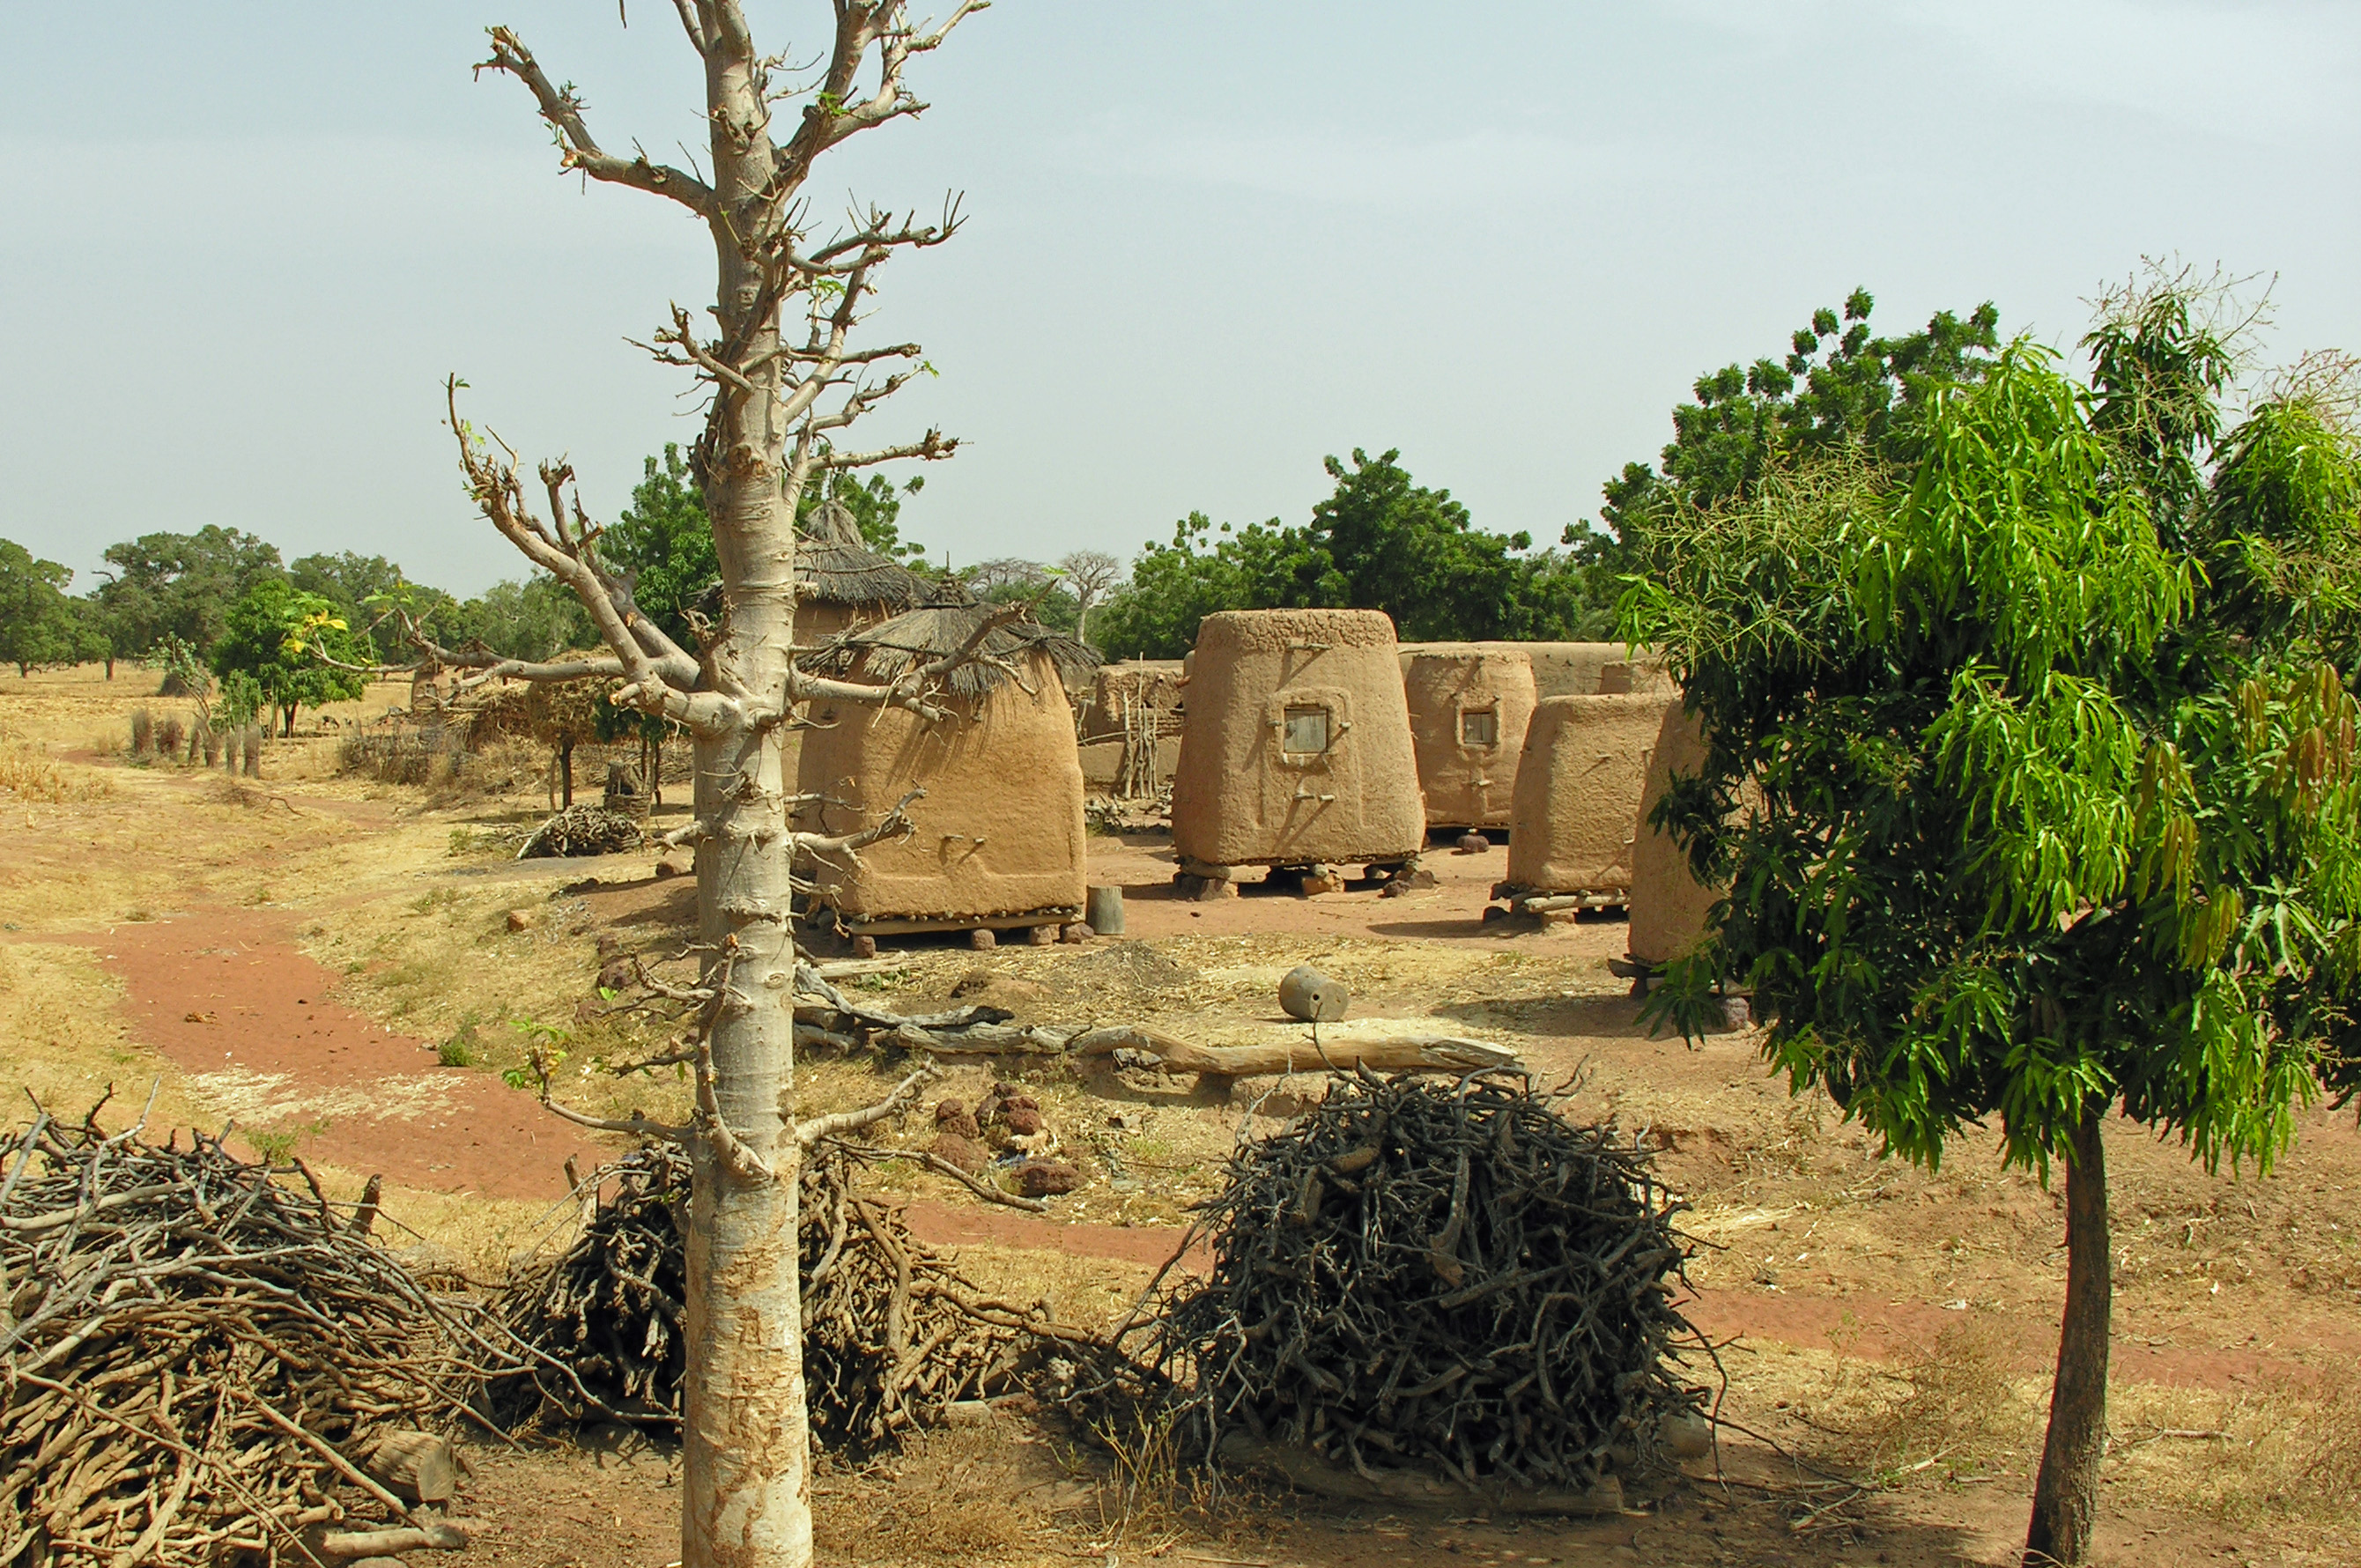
x=182, y=584
x=185, y=670
x=279, y=637
x=38, y=625
x=239, y=701
x=537, y=619
x=1838, y=388
x=875, y=504
x=1380, y=542
x=362, y=589
x=663, y=541
x=2048, y=761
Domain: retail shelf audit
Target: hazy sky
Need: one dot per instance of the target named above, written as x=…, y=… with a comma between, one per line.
x=1210, y=242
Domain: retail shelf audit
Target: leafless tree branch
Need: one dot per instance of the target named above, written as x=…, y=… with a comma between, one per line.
x=577, y=148
x=810, y=1132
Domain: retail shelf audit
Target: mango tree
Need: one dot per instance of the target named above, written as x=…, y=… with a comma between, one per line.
x=2051, y=738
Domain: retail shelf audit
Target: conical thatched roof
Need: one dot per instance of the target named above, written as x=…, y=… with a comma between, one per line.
x=886, y=650
x=841, y=569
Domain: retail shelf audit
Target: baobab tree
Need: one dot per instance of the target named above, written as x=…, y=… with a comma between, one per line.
x=1091, y=574
x=786, y=378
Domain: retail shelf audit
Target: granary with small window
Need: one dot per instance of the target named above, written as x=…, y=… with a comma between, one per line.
x=1469, y=708
x=998, y=839
x=1295, y=746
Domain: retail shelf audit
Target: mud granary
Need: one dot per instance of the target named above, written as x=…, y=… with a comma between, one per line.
x=1579, y=783
x=1468, y=708
x=1296, y=749
x=1129, y=721
x=998, y=837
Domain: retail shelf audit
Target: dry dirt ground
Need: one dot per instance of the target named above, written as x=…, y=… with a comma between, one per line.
x=344, y=968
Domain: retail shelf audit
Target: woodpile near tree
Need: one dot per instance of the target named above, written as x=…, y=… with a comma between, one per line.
x=1427, y=1285
x=892, y=1334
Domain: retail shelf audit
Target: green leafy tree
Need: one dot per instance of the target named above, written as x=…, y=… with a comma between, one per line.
x=38, y=625
x=356, y=585
x=184, y=584
x=1381, y=541
x=2045, y=727
x=283, y=639
x=875, y=504
x=1175, y=585
x=536, y=619
x=1839, y=387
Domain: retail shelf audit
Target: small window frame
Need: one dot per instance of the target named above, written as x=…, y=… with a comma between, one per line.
x=1489, y=719
x=1303, y=714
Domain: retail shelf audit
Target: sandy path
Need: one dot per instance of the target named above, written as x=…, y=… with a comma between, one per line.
x=227, y=996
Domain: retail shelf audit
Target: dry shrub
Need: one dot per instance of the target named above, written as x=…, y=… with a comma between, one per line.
x=27, y=774
x=169, y=735
x=1949, y=1405
x=143, y=732
x=960, y=1511
x=2287, y=1447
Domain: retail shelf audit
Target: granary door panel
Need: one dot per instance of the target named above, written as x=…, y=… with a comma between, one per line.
x=1311, y=776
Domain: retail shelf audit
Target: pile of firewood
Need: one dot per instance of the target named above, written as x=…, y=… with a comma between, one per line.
x=1431, y=1276
x=199, y=1361
x=892, y=1333
x=584, y=831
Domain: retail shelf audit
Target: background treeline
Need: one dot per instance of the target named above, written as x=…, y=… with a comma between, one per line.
x=1379, y=541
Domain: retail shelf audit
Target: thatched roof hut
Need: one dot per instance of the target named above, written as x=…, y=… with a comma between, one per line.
x=999, y=838
x=847, y=584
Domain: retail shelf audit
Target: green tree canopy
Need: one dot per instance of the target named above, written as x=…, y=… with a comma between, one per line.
x=2044, y=723
x=39, y=624
x=184, y=584
x=281, y=637
x=1381, y=541
x=350, y=582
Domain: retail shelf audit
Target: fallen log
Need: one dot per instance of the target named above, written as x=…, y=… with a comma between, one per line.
x=391, y=1543
x=1384, y=1053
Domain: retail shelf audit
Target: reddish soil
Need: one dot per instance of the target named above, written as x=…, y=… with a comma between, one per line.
x=224, y=991
x=1142, y=865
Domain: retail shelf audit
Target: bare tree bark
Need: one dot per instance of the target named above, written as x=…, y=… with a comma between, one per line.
x=785, y=380
x=2065, y=1493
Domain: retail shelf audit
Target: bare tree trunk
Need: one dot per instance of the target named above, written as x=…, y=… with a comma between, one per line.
x=745, y=1437
x=566, y=770
x=2066, y=1494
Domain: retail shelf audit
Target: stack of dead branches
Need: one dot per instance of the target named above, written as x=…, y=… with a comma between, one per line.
x=200, y=1360
x=584, y=831
x=1430, y=1277
x=892, y=1333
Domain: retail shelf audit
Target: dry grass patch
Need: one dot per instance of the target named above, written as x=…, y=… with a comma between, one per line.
x=2288, y=1448
x=61, y=1041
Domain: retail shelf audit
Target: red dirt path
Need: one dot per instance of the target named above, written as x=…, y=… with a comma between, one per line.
x=230, y=999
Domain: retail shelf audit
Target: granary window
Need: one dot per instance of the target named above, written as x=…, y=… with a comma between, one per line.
x=1306, y=731
x=1480, y=726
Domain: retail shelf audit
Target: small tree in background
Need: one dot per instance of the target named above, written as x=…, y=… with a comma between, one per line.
x=1091, y=575
x=38, y=625
x=2055, y=755
x=564, y=715
x=293, y=644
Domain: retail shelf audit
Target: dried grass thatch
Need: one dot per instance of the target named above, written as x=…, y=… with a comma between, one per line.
x=887, y=649
x=842, y=568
